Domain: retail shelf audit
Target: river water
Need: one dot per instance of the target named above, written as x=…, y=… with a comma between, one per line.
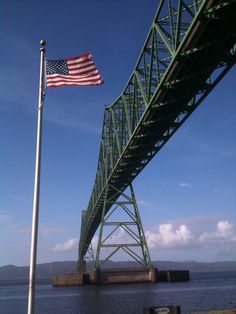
x=205, y=291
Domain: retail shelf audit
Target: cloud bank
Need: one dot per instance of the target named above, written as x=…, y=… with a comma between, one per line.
x=224, y=233
x=185, y=185
x=166, y=236
x=66, y=246
x=169, y=236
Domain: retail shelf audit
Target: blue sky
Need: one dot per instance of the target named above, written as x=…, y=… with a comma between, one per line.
x=186, y=195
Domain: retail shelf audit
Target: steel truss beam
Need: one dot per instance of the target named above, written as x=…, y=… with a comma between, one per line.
x=135, y=246
x=189, y=49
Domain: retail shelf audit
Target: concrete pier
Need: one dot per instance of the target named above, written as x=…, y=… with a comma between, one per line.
x=75, y=279
x=128, y=275
x=111, y=276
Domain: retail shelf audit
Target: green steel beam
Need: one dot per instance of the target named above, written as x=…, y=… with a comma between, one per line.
x=189, y=48
x=137, y=249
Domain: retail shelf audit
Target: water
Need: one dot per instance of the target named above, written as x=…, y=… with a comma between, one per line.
x=205, y=291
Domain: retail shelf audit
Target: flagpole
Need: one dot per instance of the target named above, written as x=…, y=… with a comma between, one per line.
x=34, y=235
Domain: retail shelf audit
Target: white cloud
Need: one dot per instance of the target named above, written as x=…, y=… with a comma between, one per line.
x=223, y=233
x=143, y=203
x=185, y=185
x=69, y=245
x=224, y=228
x=120, y=236
x=167, y=237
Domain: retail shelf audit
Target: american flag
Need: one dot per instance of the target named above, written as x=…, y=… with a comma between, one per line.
x=77, y=71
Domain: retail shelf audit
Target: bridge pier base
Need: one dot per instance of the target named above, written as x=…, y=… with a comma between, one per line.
x=112, y=276
x=120, y=275
x=82, y=266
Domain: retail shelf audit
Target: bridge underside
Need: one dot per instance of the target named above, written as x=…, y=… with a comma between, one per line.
x=189, y=49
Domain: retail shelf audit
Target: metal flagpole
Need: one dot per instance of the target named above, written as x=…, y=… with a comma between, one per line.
x=34, y=236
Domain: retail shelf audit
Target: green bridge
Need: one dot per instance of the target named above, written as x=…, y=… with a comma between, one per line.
x=188, y=50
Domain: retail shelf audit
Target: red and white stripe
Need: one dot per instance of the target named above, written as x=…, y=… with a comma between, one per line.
x=82, y=72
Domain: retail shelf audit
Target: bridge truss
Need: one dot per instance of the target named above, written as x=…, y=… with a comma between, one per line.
x=188, y=50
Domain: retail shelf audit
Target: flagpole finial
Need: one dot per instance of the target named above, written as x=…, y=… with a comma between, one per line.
x=43, y=42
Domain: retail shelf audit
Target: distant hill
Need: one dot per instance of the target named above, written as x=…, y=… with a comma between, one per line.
x=48, y=270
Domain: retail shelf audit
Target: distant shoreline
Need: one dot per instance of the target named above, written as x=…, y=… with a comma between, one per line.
x=48, y=270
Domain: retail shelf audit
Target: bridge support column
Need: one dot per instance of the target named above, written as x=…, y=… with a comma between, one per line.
x=121, y=230
x=81, y=266
x=90, y=258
